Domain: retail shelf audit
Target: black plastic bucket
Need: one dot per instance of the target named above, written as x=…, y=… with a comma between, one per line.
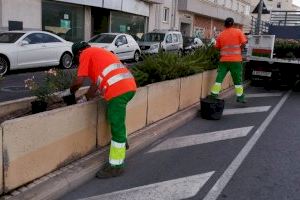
x=211, y=108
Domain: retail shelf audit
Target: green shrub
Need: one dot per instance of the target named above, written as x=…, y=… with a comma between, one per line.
x=167, y=66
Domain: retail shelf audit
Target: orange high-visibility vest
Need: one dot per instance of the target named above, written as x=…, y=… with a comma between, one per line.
x=229, y=42
x=106, y=71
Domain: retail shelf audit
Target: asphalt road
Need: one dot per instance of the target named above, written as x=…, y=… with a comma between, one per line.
x=13, y=86
x=252, y=153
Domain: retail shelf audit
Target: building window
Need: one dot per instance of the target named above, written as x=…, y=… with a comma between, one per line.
x=65, y=20
x=278, y=5
x=166, y=13
x=127, y=23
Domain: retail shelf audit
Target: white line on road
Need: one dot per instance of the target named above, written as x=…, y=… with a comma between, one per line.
x=236, y=111
x=236, y=163
x=176, y=189
x=185, y=141
x=263, y=95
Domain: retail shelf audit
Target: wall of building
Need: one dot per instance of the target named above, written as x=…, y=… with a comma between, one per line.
x=131, y=6
x=29, y=13
x=156, y=15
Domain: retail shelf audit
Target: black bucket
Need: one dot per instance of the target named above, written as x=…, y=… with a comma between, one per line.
x=211, y=108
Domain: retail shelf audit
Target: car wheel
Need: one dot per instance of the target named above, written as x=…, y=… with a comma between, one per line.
x=4, y=65
x=66, y=60
x=136, y=56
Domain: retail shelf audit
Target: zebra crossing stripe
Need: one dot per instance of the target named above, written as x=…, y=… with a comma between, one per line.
x=236, y=111
x=186, y=141
x=176, y=189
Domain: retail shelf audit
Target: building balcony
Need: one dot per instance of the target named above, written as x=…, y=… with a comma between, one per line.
x=211, y=9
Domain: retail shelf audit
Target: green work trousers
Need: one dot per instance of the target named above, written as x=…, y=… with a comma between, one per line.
x=116, y=114
x=235, y=69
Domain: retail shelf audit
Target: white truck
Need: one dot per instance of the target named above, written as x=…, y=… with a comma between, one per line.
x=265, y=65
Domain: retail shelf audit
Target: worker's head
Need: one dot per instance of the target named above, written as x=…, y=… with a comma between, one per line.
x=228, y=22
x=77, y=48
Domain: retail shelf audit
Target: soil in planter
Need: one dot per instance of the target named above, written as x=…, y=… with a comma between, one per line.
x=38, y=106
x=16, y=114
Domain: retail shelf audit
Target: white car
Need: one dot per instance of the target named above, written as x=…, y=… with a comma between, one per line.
x=123, y=45
x=30, y=49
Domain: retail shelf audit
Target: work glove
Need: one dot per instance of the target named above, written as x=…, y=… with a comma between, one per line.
x=83, y=99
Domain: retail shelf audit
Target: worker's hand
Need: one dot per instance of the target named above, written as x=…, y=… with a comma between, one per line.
x=83, y=99
x=64, y=93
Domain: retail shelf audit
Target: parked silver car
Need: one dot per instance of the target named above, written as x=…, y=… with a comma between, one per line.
x=165, y=40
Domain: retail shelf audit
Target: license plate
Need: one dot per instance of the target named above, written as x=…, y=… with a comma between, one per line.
x=262, y=73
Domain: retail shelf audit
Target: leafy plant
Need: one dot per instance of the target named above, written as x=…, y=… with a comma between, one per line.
x=167, y=66
x=42, y=91
x=60, y=79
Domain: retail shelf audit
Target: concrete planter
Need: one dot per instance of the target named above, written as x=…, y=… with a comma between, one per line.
x=190, y=90
x=38, y=144
x=163, y=100
x=209, y=78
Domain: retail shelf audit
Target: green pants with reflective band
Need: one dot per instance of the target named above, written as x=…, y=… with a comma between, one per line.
x=235, y=69
x=116, y=114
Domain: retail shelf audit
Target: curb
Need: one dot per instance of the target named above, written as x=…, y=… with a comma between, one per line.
x=58, y=183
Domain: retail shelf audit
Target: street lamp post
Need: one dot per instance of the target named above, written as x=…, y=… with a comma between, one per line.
x=258, y=22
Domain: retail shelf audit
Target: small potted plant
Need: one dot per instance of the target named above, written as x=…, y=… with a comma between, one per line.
x=62, y=80
x=42, y=91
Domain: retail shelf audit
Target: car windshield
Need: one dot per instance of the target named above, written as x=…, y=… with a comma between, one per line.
x=10, y=37
x=103, y=38
x=153, y=37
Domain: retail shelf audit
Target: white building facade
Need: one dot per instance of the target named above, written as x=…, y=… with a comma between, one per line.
x=76, y=19
x=203, y=18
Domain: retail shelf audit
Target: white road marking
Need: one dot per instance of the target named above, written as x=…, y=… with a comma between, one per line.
x=263, y=95
x=219, y=186
x=176, y=189
x=236, y=111
x=185, y=141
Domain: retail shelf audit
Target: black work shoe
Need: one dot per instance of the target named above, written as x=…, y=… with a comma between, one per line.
x=127, y=145
x=241, y=99
x=108, y=171
x=212, y=96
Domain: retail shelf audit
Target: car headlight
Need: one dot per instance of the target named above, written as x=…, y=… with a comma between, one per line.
x=155, y=46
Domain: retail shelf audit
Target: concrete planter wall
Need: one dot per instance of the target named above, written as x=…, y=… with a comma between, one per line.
x=190, y=90
x=163, y=99
x=38, y=144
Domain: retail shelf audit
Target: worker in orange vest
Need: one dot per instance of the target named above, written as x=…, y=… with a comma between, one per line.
x=116, y=84
x=230, y=42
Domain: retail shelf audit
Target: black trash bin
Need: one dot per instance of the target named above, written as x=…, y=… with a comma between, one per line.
x=211, y=108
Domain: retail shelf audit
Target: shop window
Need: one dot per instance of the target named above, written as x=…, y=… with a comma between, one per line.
x=127, y=23
x=64, y=20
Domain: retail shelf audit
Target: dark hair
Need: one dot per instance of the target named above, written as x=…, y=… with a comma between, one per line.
x=228, y=22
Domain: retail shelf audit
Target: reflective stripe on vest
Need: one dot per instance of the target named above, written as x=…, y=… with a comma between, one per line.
x=231, y=50
x=231, y=53
x=111, y=68
x=107, y=70
x=119, y=77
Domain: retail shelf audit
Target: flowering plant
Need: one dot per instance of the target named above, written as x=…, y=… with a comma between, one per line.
x=42, y=91
x=61, y=79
